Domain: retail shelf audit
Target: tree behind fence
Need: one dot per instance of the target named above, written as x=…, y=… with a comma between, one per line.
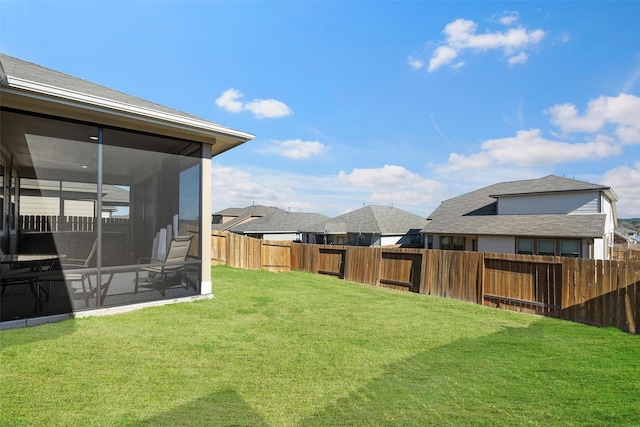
x=595, y=292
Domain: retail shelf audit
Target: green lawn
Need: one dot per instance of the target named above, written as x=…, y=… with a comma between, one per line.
x=294, y=349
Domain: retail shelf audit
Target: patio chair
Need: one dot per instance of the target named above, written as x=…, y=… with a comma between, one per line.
x=31, y=275
x=173, y=264
x=67, y=273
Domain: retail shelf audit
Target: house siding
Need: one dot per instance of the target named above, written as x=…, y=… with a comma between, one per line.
x=39, y=205
x=607, y=206
x=577, y=203
x=497, y=244
x=280, y=236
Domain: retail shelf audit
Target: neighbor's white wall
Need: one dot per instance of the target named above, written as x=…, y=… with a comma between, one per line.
x=279, y=236
x=79, y=208
x=30, y=205
x=600, y=249
x=607, y=208
x=390, y=240
x=497, y=244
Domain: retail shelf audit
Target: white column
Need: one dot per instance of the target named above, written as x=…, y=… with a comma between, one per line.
x=205, y=219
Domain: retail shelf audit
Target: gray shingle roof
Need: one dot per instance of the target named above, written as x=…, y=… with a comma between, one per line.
x=242, y=214
x=547, y=184
x=371, y=219
x=475, y=212
x=280, y=221
x=25, y=70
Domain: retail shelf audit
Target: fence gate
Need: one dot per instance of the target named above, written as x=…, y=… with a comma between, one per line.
x=332, y=261
x=526, y=286
x=401, y=270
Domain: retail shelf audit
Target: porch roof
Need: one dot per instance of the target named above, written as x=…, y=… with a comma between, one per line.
x=28, y=86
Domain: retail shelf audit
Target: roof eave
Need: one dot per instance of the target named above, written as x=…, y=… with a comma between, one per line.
x=41, y=91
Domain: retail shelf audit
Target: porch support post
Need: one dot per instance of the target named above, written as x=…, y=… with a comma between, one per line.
x=205, y=220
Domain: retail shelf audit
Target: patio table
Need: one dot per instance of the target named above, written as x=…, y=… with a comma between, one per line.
x=29, y=269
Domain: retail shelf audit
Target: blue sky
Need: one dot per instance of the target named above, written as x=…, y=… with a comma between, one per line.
x=352, y=103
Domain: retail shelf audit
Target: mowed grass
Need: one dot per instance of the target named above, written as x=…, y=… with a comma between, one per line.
x=294, y=349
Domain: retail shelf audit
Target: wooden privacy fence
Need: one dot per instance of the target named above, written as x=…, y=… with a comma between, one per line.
x=595, y=292
x=244, y=252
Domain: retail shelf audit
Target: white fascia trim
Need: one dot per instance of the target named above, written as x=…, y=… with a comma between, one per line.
x=72, y=97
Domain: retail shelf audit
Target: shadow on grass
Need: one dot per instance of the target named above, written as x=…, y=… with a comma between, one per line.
x=19, y=301
x=519, y=376
x=225, y=408
x=13, y=338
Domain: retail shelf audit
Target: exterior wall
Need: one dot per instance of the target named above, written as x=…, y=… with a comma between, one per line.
x=565, y=203
x=600, y=249
x=30, y=205
x=497, y=244
x=280, y=236
x=435, y=241
x=393, y=240
x=607, y=208
x=78, y=208
x=586, y=248
x=609, y=226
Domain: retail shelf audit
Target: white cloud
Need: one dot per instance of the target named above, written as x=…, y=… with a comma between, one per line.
x=415, y=63
x=298, y=149
x=461, y=35
x=261, y=108
x=268, y=108
x=509, y=17
x=621, y=112
x=519, y=58
x=393, y=184
x=443, y=55
x=624, y=181
x=233, y=187
x=529, y=149
x=329, y=194
x=228, y=101
x=629, y=134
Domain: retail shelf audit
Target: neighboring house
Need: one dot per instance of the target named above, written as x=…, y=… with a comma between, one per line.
x=546, y=216
x=40, y=197
x=225, y=219
x=279, y=225
x=87, y=140
x=369, y=226
x=627, y=237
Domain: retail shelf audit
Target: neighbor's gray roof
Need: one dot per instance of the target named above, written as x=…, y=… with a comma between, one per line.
x=25, y=70
x=280, y=221
x=475, y=212
x=371, y=219
x=545, y=185
x=242, y=214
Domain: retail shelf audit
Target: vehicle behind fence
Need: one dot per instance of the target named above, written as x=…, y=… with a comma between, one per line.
x=594, y=292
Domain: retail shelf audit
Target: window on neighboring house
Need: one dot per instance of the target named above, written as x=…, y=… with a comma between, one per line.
x=415, y=238
x=570, y=248
x=525, y=246
x=455, y=243
x=547, y=247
